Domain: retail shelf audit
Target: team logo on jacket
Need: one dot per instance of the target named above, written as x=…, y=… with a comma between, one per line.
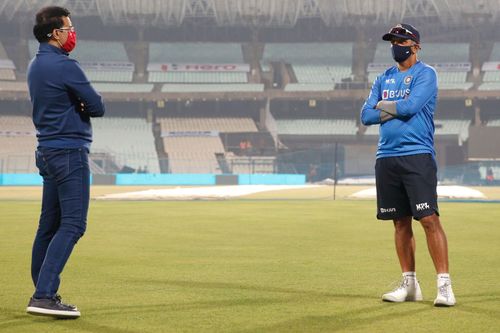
x=407, y=79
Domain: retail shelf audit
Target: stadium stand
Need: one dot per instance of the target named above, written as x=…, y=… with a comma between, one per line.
x=6, y=65
x=13, y=86
x=309, y=53
x=383, y=54
x=193, y=144
x=102, y=62
x=129, y=141
x=164, y=59
x=250, y=164
x=455, y=52
x=310, y=87
x=7, y=74
x=198, y=77
x=495, y=52
x=218, y=124
x=217, y=53
x=306, y=93
x=109, y=76
x=495, y=169
x=372, y=130
x=123, y=87
x=458, y=127
x=493, y=123
x=88, y=51
x=206, y=88
x=431, y=54
x=312, y=63
x=491, y=78
x=91, y=51
x=488, y=86
x=317, y=126
x=193, y=154
x=18, y=143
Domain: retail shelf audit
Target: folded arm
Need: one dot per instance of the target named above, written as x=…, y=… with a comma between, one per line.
x=76, y=80
x=423, y=90
x=370, y=114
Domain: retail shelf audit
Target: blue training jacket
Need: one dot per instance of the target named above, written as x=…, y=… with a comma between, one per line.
x=415, y=92
x=57, y=86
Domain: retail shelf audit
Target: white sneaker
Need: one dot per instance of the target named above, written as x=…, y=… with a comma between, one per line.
x=445, y=296
x=408, y=291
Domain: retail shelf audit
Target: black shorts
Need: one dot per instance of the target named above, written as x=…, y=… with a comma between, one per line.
x=406, y=186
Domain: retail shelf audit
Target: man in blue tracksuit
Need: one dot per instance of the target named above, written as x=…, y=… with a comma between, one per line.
x=402, y=100
x=63, y=102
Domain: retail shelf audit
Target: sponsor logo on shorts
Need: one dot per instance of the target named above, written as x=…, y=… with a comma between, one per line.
x=388, y=210
x=423, y=206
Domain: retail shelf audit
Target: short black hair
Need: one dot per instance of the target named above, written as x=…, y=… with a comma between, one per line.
x=48, y=19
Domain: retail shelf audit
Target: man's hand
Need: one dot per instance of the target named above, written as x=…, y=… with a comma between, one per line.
x=387, y=110
x=387, y=106
x=385, y=116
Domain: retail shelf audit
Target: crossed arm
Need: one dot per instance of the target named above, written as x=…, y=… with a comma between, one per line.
x=378, y=111
x=90, y=102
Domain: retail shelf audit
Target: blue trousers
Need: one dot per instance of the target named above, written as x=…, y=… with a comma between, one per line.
x=63, y=219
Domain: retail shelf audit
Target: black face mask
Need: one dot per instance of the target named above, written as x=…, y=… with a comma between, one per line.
x=400, y=53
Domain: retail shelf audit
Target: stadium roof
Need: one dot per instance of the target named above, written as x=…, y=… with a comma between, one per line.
x=270, y=13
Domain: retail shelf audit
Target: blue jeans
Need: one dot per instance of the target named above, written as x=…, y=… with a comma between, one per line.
x=63, y=219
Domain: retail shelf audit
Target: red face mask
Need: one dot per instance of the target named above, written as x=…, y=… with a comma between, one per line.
x=70, y=43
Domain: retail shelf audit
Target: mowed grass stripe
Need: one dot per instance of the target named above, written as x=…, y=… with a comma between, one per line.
x=251, y=266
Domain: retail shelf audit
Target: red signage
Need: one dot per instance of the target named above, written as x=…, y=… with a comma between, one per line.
x=172, y=67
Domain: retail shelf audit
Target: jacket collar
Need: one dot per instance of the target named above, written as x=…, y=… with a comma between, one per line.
x=47, y=48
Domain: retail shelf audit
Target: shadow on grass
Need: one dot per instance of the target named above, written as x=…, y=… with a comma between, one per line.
x=11, y=318
x=343, y=321
x=259, y=288
x=492, y=296
x=471, y=303
x=172, y=307
x=15, y=321
x=294, y=297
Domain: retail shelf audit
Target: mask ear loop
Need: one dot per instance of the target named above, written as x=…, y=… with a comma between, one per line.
x=50, y=35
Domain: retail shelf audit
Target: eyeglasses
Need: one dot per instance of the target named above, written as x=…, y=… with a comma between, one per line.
x=402, y=31
x=72, y=29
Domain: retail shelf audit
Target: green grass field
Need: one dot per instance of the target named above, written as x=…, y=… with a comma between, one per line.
x=251, y=266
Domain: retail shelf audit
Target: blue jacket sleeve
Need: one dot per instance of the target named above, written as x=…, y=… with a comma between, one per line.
x=77, y=82
x=424, y=88
x=370, y=115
